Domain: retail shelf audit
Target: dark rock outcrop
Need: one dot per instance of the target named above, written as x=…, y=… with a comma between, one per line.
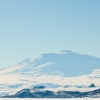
x=30, y=93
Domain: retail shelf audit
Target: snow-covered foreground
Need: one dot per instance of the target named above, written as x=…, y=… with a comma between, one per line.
x=50, y=99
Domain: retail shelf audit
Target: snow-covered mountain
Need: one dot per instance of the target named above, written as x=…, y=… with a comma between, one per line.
x=53, y=70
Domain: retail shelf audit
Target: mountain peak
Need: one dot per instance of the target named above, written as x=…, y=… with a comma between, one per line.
x=67, y=50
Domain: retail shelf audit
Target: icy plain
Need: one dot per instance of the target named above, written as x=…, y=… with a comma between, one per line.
x=50, y=99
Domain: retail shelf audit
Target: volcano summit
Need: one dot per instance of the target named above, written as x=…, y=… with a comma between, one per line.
x=65, y=68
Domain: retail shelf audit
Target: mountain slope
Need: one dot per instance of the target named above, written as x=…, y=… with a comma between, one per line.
x=62, y=63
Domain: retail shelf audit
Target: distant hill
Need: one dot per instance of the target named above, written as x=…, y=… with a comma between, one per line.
x=31, y=93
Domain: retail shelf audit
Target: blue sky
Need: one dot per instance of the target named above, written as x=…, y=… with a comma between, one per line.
x=29, y=28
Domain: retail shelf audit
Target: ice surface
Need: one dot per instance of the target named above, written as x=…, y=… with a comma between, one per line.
x=49, y=99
